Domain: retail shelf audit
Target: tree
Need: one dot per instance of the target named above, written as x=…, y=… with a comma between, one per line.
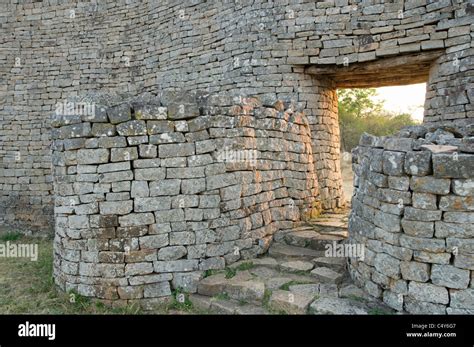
x=359, y=112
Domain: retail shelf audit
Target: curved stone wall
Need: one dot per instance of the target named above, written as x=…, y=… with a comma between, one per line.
x=52, y=50
x=413, y=210
x=153, y=191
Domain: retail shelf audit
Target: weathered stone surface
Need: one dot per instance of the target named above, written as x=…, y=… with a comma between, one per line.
x=428, y=293
x=462, y=298
x=296, y=266
x=453, y=166
x=336, y=306
x=414, y=214
x=148, y=151
x=139, y=189
x=154, y=241
x=415, y=271
x=120, y=113
x=291, y=303
x=124, y=154
x=187, y=281
x=156, y=290
x=103, y=129
x=387, y=265
x=351, y=291
x=435, y=258
x=421, y=307
x=326, y=275
x=132, y=128
x=459, y=217
x=450, y=276
x=176, y=150
x=424, y=201
x=175, y=266
x=393, y=163
x=456, y=203
x=178, y=110
x=135, y=219
x=453, y=229
x=138, y=269
x=311, y=289
x=92, y=156
x=423, y=244
x=149, y=174
x=418, y=229
x=418, y=163
x=463, y=187
x=428, y=184
x=334, y=263
x=116, y=207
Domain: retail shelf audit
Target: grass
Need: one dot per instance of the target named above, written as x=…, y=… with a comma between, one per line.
x=245, y=266
x=180, y=302
x=230, y=272
x=266, y=297
x=379, y=311
x=287, y=285
x=356, y=298
x=27, y=287
x=10, y=236
x=222, y=296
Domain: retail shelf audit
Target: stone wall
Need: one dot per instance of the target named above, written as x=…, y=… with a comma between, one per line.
x=53, y=50
x=154, y=190
x=413, y=210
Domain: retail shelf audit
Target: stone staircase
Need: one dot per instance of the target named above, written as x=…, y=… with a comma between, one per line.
x=294, y=277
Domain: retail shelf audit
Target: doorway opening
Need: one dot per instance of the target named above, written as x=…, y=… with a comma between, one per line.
x=378, y=111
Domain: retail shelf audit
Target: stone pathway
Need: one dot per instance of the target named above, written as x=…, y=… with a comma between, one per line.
x=295, y=277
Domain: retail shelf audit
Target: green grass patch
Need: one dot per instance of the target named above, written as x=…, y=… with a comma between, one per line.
x=287, y=285
x=245, y=266
x=222, y=296
x=379, y=311
x=10, y=236
x=27, y=287
x=266, y=297
x=211, y=272
x=356, y=298
x=230, y=272
x=180, y=301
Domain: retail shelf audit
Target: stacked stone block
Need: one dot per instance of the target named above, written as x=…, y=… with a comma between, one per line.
x=413, y=210
x=247, y=47
x=153, y=191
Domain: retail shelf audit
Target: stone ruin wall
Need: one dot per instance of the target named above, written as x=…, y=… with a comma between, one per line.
x=51, y=51
x=284, y=50
x=152, y=192
x=413, y=210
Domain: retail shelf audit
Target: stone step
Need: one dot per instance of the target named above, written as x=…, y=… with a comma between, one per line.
x=337, y=264
x=331, y=223
x=311, y=239
x=284, y=251
x=326, y=275
x=296, y=266
x=242, y=287
x=326, y=305
x=289, y=302
x=225, y=306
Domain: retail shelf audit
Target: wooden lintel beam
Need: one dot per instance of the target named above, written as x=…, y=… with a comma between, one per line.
x=423, y=58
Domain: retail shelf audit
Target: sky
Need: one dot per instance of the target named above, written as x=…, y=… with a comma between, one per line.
x=404, y=99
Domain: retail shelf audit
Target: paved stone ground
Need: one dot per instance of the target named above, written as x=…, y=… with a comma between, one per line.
x=295, y=277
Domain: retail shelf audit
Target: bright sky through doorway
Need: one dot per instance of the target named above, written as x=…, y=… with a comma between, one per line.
x=404, y=99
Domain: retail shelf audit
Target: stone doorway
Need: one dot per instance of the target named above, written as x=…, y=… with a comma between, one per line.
x=398, y=70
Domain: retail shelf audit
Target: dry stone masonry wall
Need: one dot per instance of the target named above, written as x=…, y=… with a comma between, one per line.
x=153, y=191
x=52, y=50
x=413, y=210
